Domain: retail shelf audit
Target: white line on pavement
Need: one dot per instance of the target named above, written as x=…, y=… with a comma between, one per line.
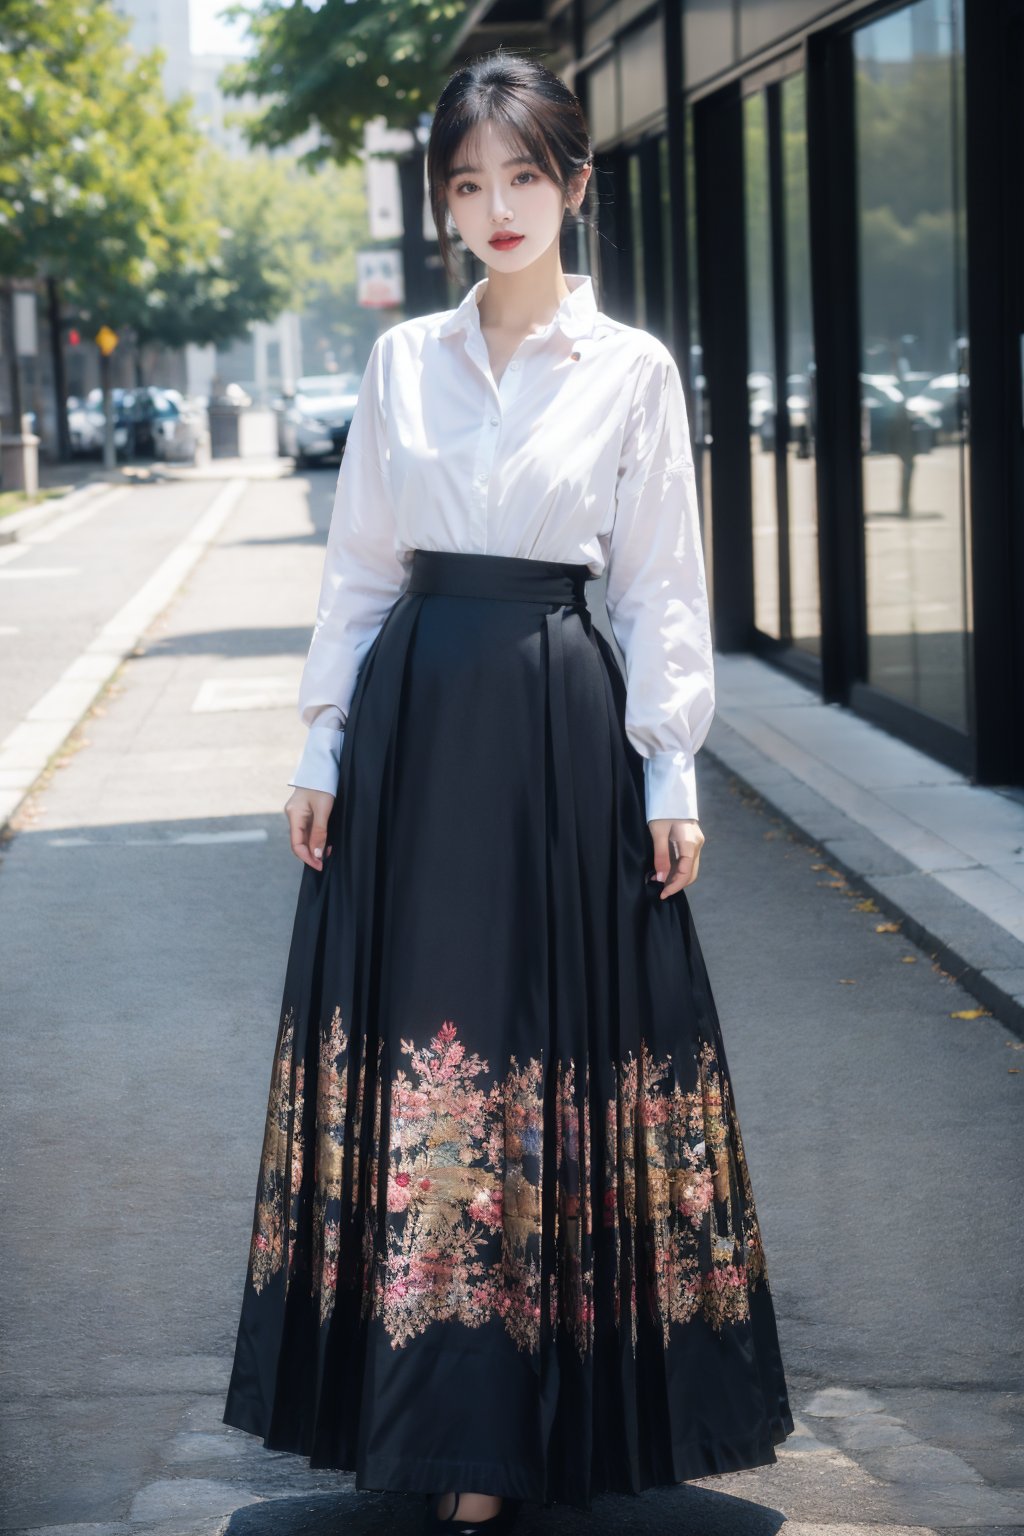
x=75, y=517
x=200, y=839
x=39, y=571
x=26, y=751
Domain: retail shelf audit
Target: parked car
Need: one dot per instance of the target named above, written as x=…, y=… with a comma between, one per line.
x=890, y=424
x=142, y=408
x=798, y=405
x=313, y=422
x=946, y=396
x=86, y=424
x=180, y=427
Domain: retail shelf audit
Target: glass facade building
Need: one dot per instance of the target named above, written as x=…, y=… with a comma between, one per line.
x=819, y=208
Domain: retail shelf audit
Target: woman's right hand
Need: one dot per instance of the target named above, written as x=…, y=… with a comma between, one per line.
x=308, y=811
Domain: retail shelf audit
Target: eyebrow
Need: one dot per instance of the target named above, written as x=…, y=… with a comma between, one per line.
x=462, y=170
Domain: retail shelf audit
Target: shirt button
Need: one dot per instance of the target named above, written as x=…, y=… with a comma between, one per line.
x=513, y=365
x=494, y=421
x=482, y=479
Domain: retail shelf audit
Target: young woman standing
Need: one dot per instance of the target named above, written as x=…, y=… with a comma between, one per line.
x=505, y=1244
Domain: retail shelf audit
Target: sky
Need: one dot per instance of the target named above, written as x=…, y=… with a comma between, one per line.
x=210, y=35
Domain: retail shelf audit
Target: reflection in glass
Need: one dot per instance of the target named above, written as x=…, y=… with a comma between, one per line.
x=801, y=378
x=761, y=368
x=914, y=384
x=636, y=236
x=700, y=425
x=667, y=262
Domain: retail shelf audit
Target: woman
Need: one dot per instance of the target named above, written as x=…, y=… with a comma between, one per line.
x=505, y=1245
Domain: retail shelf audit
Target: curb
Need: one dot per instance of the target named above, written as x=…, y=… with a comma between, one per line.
x=984, y=958
x=17, y=523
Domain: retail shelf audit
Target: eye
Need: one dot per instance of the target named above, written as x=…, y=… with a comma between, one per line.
x=530, y=174
x=463, y=185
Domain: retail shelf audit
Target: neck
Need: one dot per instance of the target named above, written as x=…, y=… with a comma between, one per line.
x=519, y=302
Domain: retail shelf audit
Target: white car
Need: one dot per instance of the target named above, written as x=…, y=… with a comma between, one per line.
x=313, y=422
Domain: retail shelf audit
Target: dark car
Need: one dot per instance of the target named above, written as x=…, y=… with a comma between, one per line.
x=890, y=422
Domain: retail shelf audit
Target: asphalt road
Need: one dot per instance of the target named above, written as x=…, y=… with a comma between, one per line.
x=146, y=896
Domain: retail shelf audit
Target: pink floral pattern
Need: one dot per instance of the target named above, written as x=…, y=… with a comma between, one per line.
x=457, y=1236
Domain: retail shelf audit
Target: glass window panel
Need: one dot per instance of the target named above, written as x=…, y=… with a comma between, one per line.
x=801, y=448
x=642, y=73
x=909, y=126
x=636, y=239
x=671, y=277
x=761, y=393
x=700, y=426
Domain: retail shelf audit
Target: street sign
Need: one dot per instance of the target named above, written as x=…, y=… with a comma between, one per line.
x=106, y=340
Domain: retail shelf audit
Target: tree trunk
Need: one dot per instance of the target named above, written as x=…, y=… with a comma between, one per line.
x=60, y=382
x=9, y=347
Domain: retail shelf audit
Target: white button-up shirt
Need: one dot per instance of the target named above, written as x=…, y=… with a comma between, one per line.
x=581, y=452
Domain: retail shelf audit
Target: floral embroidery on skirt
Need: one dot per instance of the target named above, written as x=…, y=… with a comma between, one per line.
x=463, y=1198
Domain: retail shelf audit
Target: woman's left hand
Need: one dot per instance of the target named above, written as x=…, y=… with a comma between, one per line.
x=677, y=846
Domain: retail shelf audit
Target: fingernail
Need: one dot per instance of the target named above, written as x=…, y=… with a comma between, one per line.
x=317, y=852
x=659, y=876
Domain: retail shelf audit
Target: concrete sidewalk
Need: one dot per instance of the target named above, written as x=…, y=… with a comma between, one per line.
x=146, y=893
x=940, y=855
x=73, y=485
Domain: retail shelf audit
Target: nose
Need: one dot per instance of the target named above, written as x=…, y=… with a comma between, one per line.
x=500, y=211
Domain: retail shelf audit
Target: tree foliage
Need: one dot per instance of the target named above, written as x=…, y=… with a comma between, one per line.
x=94, y=161
x=336, y=66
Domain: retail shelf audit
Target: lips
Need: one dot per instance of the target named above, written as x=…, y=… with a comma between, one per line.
x=505, y=242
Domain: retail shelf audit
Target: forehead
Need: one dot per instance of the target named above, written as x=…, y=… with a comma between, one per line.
x=487, y=144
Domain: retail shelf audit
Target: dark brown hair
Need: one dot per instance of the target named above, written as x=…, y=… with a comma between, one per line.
x=537, y=113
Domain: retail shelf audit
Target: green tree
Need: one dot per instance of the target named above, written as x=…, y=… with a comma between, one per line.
x=245, y=272
x=335, y=67
x=94, y=167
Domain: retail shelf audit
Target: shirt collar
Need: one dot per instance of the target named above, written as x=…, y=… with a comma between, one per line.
x=574, y=316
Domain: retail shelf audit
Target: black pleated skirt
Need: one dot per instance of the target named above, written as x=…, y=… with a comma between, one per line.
x=504, y=1236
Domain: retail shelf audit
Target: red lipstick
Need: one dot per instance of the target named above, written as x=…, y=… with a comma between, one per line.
x=505, y=242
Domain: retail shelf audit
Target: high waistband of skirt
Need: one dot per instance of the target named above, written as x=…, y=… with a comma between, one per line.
x=514, y=578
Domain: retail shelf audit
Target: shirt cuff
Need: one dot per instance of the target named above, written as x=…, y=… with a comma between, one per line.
x=670, y=786
x=320, y=763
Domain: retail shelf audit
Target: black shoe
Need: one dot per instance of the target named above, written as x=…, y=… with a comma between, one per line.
x=450, y=1525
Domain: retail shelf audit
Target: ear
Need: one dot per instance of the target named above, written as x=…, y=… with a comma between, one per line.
x=579, y=184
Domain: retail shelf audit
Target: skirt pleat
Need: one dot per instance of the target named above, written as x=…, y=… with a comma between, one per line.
x=504, y=1235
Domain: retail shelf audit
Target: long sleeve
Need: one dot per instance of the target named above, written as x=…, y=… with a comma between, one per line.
x=657, y=594
x=362, y=577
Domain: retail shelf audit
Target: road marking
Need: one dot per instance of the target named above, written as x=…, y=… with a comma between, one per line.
x=217, y=694
x=40, y=571
x=65, y=521
x=197, y=839
x=28, y=748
